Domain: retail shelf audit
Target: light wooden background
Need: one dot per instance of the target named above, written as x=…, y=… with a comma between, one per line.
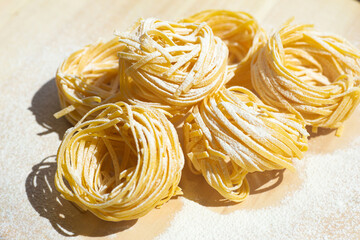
x=35, y=36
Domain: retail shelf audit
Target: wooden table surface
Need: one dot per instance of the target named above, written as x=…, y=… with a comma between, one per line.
x=35, y=36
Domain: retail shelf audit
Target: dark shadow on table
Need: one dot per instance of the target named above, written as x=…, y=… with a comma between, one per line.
x=258, y=180
x=320, y=132
x=195, y=188
x=43, y=105
x=63, y=216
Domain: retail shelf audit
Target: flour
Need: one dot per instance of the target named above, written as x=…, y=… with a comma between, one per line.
x=325, y=206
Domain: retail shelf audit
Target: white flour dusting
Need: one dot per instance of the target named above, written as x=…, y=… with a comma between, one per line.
x=326, y=206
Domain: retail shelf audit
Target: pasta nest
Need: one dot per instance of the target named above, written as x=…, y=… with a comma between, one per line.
x=232, y=133
x=122, y=164
x=311, y=74
x=242, y=35
x=88, y=78
x=171, y=66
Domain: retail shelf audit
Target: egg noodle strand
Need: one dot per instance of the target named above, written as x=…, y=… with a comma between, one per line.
x=122, y=164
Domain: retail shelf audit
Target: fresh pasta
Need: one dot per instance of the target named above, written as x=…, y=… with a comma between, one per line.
x=242, y=35
x=123, y=156
x=232, y=133
x=122, y=163
x=88, y=78
x=311, y=74
x=171, y=66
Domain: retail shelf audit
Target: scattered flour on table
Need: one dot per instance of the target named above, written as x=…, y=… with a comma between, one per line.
x=326, y=206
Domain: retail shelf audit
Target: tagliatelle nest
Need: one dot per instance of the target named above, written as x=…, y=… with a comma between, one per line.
x=171, y=66
x=88, y=78
x=122, y=164
x=311, y=74
x=232, y=132
x=242, y=35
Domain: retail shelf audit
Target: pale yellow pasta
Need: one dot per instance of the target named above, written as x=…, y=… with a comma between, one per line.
x=121, y=164
x=242, y=35
x=232, y=133
x=88, y=78
x=311, y=74
x=171, y=66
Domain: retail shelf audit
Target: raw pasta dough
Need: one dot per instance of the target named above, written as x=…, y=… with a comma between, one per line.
x=232, y=132
x=313, y=75
x=122, y=164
